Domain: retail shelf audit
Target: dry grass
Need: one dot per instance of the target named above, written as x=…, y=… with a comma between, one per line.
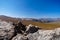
x=42, y=25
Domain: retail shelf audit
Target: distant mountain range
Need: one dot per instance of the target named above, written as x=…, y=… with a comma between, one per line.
x=42, y=20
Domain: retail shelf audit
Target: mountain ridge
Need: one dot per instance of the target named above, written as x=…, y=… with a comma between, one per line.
x=32, y=19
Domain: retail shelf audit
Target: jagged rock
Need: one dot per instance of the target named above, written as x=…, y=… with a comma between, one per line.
x=6, y=30
x=56, y=36
x=20, y=37
x=19, y=28
x=41, y=35
x=32, y=29
x=22, y=27
x=45, y=35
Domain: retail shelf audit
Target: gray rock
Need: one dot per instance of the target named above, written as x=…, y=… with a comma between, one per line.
x=32, y=29
x=41, y=35
x=20, y=37
x=6, y=30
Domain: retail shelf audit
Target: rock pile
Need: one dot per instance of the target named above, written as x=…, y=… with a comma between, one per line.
x=41, y=35
x=12, y=31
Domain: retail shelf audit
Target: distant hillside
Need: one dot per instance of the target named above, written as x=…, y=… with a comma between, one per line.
x=8, y=19
x=42, y=20
x=45, y=24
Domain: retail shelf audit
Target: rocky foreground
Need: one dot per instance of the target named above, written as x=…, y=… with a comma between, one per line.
x=12, y=31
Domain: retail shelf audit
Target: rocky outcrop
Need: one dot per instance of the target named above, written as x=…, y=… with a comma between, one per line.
x=19, y=27
x=25, y=36
x=12, y=31
x=32, y=29
x=41, y=35
x=6, y=30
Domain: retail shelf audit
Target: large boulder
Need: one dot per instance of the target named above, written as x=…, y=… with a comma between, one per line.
x=45, y=35
x=19, y=27
x=22, y=26
x=32, y=29
x=40, y=35
x=6, y=30
x=56, y=36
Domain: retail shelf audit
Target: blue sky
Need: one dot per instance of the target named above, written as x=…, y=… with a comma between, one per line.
x=30, y=8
